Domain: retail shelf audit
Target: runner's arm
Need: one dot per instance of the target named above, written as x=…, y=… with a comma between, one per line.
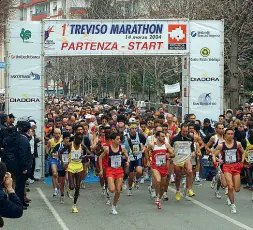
x=47, y=149
x=216, y=152
x=239, y=146
x=106, y=151
x=209, y=144
x=170, y=150
x=198, y=152
x=125, y=154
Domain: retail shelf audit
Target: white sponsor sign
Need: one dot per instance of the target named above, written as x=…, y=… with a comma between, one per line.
x=206, y=69
x=25, y=88
x=116, y=37
x=175, y=88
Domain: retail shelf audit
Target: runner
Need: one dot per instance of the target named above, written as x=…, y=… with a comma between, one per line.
x=76, y=154
x=62, y=167
x=161, y=154
x=184, y=150
x=233, y=156
x=53, y=161
x=114, y=171
x=137, y=141
x=214, y=141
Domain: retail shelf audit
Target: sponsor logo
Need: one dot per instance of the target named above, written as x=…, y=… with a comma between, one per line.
x=177, y=37
x=25, y=35
x=193, y=34
x=24, y=57
x=31, y=76
x=48, y=32
x=204, y=34
x=205, y=52
x=204, y=78
x=204, y=99
x=23, y=99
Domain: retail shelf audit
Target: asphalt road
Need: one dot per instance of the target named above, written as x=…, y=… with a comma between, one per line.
x=136, y=212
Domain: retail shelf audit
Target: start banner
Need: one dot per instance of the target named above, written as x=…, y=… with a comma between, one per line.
x=116, y=37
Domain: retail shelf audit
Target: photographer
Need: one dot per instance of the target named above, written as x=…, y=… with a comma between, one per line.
x=10, y=206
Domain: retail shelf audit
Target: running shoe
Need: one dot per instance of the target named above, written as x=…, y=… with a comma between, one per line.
x=69, y=195
x=233, y=209
x=172, y=178
x=142, y=181
x=191, y=193
x=30, y=181
x=159, y=205
x=55, y=193
x=153, y=193
x=74, y=209
x=137, y=185
x=108, y=202
x=228, y=202
x=157, y=201
x=124, y=186
x=62, y=200
x=165, y=196
x=129, y=192
x=82, y=185
x=114, y=211
x=217, y=195
x=213, y=182
x=178, y=196
x=197, y=179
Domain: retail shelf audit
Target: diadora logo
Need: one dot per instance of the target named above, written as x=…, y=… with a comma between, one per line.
x=35, y=76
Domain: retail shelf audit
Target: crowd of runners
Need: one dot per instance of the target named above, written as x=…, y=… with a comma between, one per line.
x=125, y=145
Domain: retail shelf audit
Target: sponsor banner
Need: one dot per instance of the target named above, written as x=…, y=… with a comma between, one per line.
x=27, y=37
x=175, y=88
x=25, y=89
x=206, y=72
x=116, y=37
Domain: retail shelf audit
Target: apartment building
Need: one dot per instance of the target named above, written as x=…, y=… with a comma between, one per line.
x=35, y=10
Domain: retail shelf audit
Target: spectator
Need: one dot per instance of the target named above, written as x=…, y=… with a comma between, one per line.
x=10, y=206
x=24, y=158
x=222, y=119
x=207, y=129
x=239, y=113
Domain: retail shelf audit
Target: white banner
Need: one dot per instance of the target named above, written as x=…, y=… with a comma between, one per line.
x=206, y=69
x=25, y=88
x=116, y=37
x=175, y=88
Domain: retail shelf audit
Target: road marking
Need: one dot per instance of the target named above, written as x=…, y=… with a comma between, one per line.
x=235, y=222
x=53, y=211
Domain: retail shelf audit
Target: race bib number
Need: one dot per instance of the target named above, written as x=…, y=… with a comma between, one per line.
x=230, y=156
x=250, y=158
x=182, y=148
x=160, y=160
x=75, y=155
x=65, y=158
x=116, y=161
x=136, y=149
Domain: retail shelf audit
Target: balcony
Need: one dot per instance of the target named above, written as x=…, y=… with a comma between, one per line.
x=77, y=10
x=29, y=3
x=39, y=16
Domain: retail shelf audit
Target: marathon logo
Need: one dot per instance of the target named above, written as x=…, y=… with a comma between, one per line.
x=28, y=100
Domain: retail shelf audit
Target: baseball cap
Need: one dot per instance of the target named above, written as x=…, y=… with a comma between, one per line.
x=26, y=125
x=132, y=120
x=240, y=108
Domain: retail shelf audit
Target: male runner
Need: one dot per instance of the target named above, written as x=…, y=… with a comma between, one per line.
x=161, y=153
x=114, y=171
x=183, y=144
x=54, y=162
x=233, y=156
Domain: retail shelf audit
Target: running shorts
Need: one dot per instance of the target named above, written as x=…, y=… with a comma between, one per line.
x=134, y=164
x=163, y=170
x=114, y=173
x=234, y=168
x=75, y=167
